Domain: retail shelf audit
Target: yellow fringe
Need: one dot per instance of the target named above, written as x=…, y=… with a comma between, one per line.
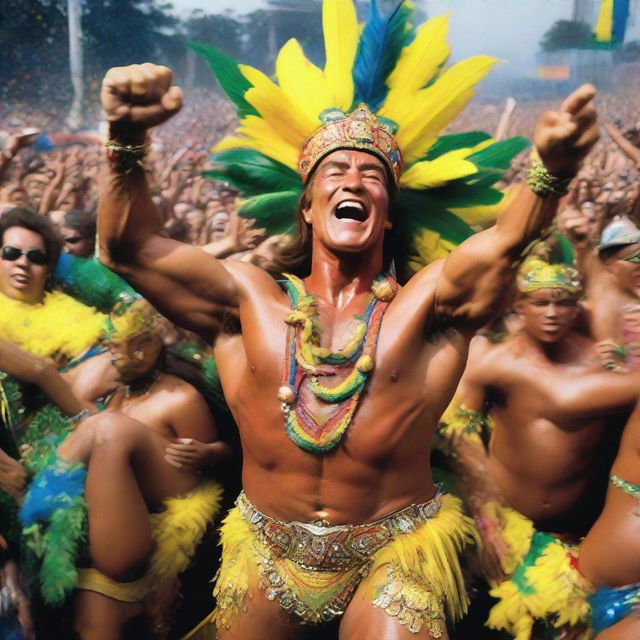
x=430, y=556
x=557, y=590
x=60, y=327
x=238, y=572
x=176, y=531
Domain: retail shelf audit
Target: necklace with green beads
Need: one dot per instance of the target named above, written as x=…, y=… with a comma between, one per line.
x=307, y=362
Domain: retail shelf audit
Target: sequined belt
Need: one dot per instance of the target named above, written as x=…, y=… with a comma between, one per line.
x=333, y=548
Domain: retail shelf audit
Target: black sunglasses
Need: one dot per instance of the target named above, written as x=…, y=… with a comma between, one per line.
x=35, y=256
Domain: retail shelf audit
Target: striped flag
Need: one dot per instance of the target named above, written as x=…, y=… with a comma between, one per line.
x=612, y=21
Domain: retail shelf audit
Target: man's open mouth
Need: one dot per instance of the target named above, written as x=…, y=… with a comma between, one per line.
x=351, y=210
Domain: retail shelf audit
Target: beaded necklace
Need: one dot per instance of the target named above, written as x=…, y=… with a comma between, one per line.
x=306, y=360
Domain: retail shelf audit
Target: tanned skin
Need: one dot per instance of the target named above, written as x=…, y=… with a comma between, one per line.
x=612, y=286
x=158, y=408
x=550, y=402
x=610, y=553
x=382, y=464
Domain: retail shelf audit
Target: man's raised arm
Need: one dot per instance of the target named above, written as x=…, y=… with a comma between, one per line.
x=182, y=281
x=476, y=275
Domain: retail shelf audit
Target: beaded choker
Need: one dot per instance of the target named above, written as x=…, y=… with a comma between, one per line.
x=307, y=362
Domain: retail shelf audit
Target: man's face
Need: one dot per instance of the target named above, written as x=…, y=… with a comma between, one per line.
x=219, y=222
x=75, y=244
x=349, y=202
x=135, y=356
x=547, y=314
x=21, y=279
x=625, y=266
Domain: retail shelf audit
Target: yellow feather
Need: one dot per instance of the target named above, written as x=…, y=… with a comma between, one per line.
x=433, y=108
x=481, y=216
x=426, y=247
x=302, y=81
x=341, y=35
x=259, y=135
x=418, y=62
x=276, y=108
x=429, y=174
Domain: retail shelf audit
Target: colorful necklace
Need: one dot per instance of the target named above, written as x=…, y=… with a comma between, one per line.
x=306, y=360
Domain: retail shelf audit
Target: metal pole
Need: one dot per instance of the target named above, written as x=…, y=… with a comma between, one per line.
x=74, y=119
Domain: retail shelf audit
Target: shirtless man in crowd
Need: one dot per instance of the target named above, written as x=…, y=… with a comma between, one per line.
x=551, y=408
x=381, y=466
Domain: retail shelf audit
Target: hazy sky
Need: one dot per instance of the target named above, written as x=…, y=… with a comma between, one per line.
x=508, y=29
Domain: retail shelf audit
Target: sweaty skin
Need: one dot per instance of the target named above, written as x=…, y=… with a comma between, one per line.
x=554, y=413
x=383, y=462
x=552, y=409
x=610, y=553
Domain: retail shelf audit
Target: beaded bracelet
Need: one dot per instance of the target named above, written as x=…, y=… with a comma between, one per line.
x=126, y=157
x=543, y=183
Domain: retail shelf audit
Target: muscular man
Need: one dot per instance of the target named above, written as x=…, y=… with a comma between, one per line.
x=550, y=405
x=346, y=470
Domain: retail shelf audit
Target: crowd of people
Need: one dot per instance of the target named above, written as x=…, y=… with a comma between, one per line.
x=121, y=455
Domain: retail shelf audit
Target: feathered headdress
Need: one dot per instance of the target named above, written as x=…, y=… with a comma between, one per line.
x=394, y=71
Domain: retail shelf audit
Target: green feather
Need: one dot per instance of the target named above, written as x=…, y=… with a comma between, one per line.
x=454, y=141
x=492, y=162
x=499, y=154
x=455, y=195
x=422, y=210
x=228, y=75
x=252, y=173
x=65, y=533
x=273, y=211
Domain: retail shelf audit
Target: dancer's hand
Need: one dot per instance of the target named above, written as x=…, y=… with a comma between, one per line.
x=13, y=476
x=138, y=97
x=191, y=455
x=494, y=549
x=564, y=137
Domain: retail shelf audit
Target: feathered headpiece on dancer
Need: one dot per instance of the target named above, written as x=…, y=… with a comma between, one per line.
x=385, y=88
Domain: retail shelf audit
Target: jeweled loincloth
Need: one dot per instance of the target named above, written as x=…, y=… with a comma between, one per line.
x=407, y=562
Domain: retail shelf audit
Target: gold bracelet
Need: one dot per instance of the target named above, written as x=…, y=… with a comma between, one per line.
x=126, y=157
x=545, y=184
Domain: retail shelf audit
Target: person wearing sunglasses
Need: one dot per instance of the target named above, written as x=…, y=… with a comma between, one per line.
x=29, y=249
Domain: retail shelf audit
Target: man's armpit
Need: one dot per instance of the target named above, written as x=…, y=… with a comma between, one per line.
x=442, y=326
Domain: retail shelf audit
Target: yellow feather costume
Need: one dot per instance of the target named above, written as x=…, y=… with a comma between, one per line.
x=415, y=577
x=543, y=584
x=59, y=327
x=176, y=531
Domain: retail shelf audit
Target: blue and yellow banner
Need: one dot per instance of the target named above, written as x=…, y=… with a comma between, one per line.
x=612, y=21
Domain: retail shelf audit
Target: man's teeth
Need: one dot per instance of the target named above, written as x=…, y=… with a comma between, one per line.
x=351, y=210
x=351, y=203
